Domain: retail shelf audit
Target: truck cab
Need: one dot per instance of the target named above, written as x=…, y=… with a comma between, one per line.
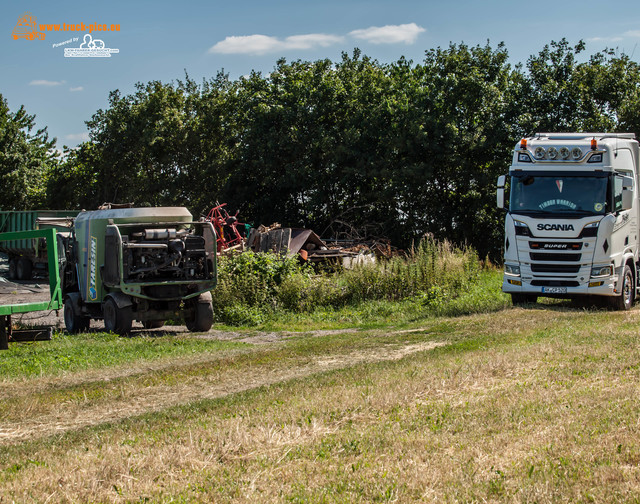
x=571, y=228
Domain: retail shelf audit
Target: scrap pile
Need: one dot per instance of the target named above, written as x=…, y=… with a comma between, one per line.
x=307, y=244
x=291, y=241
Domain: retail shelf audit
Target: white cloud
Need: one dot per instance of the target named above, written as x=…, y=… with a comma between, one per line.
x=311, y=40
x=605, y=39
x=46, y=83
x=79, y=88
x=250, y=44
x=77, y=137
x=616, y=38
x=389, y=34
x=261, y=44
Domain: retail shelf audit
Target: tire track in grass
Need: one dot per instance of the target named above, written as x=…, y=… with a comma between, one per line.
x=136, y=399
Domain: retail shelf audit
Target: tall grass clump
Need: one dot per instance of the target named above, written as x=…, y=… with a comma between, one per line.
x=251, y=286
x=432, y=270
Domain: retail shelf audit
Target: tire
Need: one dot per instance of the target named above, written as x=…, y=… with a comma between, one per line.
x=23, y=268
x=518, y=299
x=74, y=323
x=153, y=324
x=117, y=320
x=624, y=301
x=199, y=316
x=12, y=269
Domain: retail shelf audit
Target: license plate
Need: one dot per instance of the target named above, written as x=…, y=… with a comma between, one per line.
x=554, y=290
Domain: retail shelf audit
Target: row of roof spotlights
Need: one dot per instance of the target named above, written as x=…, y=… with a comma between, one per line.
x=561, y=153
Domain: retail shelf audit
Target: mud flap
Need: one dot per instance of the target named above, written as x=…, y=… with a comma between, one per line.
x=122, y=300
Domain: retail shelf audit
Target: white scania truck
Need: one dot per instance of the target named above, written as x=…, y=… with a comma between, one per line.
x=571, y=228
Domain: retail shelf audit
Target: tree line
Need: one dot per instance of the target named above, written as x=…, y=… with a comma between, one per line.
x=354, y=147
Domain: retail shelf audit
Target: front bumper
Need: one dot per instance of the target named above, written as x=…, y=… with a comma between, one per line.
x=607, y=288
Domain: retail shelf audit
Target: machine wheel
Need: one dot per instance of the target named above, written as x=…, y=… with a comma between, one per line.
x=23, y=268
x=518, y=299
x=153, y=324
x=625, y=300
x=12, y=269
x=73, y=322
x=199, y=317
x=117, y=320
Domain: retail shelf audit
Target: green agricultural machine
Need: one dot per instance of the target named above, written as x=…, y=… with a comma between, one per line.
x=144, y=264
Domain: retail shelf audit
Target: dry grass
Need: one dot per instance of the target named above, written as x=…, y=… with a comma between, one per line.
x=523, y=405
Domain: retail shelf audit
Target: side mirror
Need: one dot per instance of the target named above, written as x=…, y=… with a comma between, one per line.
x=500, y=191
x=627, y=193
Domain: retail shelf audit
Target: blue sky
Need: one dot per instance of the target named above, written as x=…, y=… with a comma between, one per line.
x=159, y=40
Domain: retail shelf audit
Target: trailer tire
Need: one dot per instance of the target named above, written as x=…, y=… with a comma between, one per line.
x=199, y=318
x=73, y=322
x=12, y=269
x=23, y=268
x=117, y=320
x=624, y=301
x=518, y=299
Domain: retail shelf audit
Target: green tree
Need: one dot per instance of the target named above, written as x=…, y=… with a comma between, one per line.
x=26, y=157
x=73, y=183
x=455, y=139
x=564, y=94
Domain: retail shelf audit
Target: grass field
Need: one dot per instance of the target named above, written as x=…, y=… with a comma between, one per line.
x=383, y=402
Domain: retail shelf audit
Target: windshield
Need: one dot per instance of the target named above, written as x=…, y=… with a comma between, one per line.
x=559, y=195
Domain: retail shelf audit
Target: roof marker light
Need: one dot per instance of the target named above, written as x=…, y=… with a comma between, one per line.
x=523, y=144
x=594, y=144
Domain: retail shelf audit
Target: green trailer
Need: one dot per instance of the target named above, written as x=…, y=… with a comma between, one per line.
x=54, y=258
x=28, y=254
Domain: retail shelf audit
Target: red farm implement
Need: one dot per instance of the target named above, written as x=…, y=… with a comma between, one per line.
x=226, y=226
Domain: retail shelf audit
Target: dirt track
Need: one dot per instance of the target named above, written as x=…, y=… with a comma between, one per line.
x=27, y=412
x=126, y=393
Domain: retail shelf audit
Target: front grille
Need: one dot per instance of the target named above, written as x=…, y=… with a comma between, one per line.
x=555, y=268
x=536, y=245
x=536, y=256
x=554, y=283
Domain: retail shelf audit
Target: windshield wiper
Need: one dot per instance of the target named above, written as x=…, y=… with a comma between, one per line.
x=559, y=213
x=577, y=211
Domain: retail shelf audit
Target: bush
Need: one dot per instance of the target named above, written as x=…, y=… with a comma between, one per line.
x=251, y=286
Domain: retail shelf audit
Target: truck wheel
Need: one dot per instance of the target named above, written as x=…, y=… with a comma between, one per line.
x=23, y=268
x=153, y=324
x=625, y=300
x=12, y=269
x=200, y=314
x=73, y=322
x=518, y=299
x=117, y=320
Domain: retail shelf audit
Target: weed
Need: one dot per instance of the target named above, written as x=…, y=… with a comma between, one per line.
x=435, y=277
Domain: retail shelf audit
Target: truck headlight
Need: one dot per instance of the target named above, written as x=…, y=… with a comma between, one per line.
x=521, y=228
x=590, y=230
x=601, y=270
x=510, y=269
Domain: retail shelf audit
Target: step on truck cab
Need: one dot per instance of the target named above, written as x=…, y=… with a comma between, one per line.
x=571, y=228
